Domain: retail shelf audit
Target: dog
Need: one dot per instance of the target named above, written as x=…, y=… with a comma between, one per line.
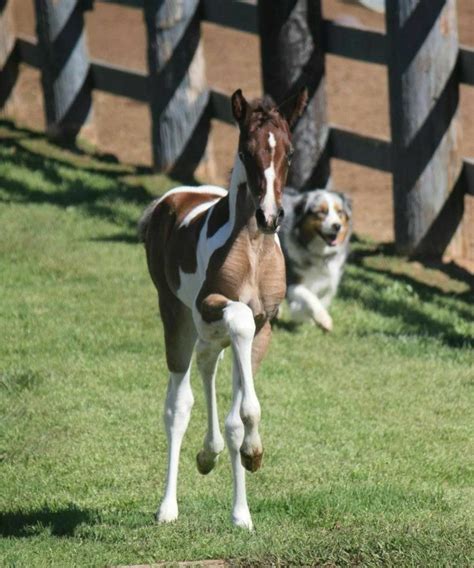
x=315, y=237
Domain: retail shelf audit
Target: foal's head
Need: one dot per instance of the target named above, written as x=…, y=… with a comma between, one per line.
x=265, y=151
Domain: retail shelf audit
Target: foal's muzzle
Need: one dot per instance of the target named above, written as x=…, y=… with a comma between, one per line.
x=269, y=223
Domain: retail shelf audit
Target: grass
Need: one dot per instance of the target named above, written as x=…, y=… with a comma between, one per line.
x=368, y=430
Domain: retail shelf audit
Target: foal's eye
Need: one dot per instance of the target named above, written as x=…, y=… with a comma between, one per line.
x=242, y=157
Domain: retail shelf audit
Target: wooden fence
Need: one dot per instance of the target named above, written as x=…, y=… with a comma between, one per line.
x=409, y=32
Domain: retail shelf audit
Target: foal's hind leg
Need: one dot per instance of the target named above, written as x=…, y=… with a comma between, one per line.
x=180, y=338
x=207, y=360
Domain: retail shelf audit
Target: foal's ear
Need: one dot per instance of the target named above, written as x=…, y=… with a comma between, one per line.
x=295, y=106
x=239, y=106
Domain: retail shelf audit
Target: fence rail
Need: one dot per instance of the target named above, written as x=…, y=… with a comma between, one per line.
x=343, y=144
x=362, y=44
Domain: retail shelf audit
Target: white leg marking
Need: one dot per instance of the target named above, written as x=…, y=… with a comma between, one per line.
x=304, y=304
x=207, y=360
x=241, y=327
x=179, y=401
x=234, y=431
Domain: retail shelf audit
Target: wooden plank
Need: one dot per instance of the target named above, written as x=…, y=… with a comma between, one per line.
x=106, y=77
x=466, y=65
x=236, y=14
x=127, y=3
x=424, y=116
x=220, y=107
x=354, y=43
x=468, y=172
x=343, y=144
x=179, y=95
x=359, y=149
x=29, y=52
x=9, y=57
x=64, y=68
x=292, y=58
x=119, y=81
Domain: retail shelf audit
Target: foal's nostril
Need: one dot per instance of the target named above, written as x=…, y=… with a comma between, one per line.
x=260, y=218
x=336, y=226
x=281, y=214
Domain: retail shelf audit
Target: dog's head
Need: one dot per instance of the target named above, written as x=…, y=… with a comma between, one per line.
x=323, y=214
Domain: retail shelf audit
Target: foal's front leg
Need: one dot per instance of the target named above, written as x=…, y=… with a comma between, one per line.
x=240, y=324
x=180, y=337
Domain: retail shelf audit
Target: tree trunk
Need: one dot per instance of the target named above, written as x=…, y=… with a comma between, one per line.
x=179, y=96
x=422, y=53
x=67, y=87
x=292, y=57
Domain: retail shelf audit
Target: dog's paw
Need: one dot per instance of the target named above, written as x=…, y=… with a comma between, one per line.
x=324, y=320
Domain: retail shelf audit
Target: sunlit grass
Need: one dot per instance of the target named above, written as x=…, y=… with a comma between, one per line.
x=367, y=431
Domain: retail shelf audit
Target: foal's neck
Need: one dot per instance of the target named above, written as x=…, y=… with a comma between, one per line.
x=241, y=203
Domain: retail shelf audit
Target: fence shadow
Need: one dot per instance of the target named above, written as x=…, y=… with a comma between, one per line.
x=61, y=522
x=365, y=286
x=421, y=308
x=51, y=159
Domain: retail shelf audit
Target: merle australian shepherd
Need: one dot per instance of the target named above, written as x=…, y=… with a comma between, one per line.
x=315, y=237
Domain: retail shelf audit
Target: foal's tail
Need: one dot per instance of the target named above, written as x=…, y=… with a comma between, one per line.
x=144, y=222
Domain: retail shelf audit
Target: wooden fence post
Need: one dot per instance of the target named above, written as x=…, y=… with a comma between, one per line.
x=65, y=77
x=9, y=59
x=422, y=51
x=179, y=95
x=292, y=57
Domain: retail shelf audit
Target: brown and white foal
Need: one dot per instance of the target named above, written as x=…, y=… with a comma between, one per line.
x=216, y=262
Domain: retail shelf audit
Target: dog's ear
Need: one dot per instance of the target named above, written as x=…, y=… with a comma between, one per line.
x=346, y=203
x=299, y=207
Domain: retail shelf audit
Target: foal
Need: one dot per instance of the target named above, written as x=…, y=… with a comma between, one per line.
x=216, y=262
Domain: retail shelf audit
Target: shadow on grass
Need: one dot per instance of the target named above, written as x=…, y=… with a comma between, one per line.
x=451, y=269
x=365, y=285
x=420, y=305
x=62, y=522
x=72, y=191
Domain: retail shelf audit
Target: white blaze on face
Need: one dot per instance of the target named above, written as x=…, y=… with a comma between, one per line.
x=268, y=204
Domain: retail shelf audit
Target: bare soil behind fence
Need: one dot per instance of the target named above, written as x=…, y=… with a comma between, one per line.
x=357, y=95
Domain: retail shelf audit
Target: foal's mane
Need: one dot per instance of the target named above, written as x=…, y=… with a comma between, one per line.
x=264, y=110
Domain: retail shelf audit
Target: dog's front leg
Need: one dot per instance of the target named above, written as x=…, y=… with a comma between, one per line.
x=304, y=304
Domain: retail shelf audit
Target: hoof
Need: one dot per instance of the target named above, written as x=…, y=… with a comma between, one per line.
x=243, y=520
x=251, y=462
x=167, y=513
x=206, y=462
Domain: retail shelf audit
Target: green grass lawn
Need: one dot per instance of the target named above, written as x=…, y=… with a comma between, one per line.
x=367, y=431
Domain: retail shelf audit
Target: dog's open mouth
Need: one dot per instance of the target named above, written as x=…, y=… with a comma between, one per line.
x=330, y=238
